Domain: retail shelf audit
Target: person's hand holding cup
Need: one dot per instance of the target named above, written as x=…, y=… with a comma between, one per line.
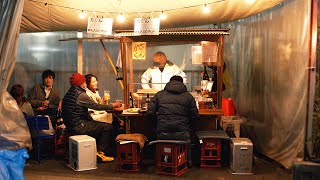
x=45, y=103
x=116, y=104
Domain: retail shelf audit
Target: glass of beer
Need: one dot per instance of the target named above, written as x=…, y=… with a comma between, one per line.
x=106, y=95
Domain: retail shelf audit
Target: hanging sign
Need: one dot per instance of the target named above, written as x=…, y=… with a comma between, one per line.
x=146, y=26
x=139, y=50
x=196, y=52
x=210, y=53
x=99, y=26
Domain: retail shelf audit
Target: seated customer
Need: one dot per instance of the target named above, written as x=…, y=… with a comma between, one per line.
x=76, y=117
x=92, y=92
x=175, y=109
x=45, y=98
x=17, y=92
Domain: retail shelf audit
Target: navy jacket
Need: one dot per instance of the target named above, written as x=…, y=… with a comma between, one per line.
x=174, y=107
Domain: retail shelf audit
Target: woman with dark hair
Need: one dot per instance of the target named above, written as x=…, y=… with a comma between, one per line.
x=17, y=92
x=92, y=92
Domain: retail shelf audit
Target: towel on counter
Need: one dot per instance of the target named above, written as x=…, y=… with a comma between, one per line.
x=140, y=138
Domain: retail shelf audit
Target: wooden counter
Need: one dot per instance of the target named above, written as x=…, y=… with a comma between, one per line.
x=138, y=123
x=202, y=112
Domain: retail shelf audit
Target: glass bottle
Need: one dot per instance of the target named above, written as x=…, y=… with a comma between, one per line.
x=147, y=100
x=205, y=74
x=131, y=101
x=214, y=79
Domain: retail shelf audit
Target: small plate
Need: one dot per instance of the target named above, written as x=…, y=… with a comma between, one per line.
x=142, y=110
x=133, y=110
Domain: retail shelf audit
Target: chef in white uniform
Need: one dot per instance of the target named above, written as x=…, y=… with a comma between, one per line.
x=160, y=72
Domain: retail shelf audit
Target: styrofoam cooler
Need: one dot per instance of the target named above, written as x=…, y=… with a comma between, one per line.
x=241, y=154
x=82, y=153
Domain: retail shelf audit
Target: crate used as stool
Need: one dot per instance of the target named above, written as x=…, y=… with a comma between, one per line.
x=210, y=142
x=171, y=156
x=128, y=156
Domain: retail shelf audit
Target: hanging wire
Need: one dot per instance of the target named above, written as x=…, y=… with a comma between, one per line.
x=128, y=13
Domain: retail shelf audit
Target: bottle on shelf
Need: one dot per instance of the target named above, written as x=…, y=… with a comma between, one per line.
x=205, y=73
x=147, y=100
x=214, y=79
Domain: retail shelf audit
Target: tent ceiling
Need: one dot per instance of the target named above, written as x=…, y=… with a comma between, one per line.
x=61, y=15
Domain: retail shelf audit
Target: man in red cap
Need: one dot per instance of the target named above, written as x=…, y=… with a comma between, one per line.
x=75, y=115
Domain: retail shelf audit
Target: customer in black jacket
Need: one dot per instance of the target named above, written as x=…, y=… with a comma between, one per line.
x=76, y=117
x=175, y=109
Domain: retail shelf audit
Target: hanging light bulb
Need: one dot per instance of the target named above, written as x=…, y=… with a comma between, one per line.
x=163, y=16
x=82, y=15
x=79, y=34
x=206, y=9
x=250, y=1
x=121, y=18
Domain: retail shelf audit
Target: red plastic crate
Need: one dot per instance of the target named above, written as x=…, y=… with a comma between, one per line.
x=210, y=152
x=171, y=159
x=128, y=157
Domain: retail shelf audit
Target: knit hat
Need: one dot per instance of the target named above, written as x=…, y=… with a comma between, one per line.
x=77, y=79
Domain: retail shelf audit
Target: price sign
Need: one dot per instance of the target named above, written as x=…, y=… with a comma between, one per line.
x=146, y=26
x=99, y=26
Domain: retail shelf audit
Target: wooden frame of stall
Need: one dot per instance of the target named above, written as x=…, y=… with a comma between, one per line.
x=167, y=37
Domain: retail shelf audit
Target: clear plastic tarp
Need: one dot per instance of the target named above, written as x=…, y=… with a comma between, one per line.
x=267, y=57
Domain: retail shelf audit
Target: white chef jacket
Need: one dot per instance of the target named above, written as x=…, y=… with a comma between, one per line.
x=160, y=79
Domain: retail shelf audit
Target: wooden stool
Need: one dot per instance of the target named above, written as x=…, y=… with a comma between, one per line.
x=211, y=147
x=171, y=156
x=128, y=156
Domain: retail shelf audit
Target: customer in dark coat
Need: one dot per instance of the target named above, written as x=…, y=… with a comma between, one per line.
x=175, y=109
x=76, y=117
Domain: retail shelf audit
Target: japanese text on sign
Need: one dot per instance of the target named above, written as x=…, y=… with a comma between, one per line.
x=99, y=26
x=139, y=50
x=146, y=26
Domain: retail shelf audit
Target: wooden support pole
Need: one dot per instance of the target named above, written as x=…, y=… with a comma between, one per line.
x=111, y=63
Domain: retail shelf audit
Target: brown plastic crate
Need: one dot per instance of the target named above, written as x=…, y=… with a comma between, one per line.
x=210, y=152
x=128, y=157
x=171, y=158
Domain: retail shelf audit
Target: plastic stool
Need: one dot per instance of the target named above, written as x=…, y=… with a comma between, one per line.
x=171, y=156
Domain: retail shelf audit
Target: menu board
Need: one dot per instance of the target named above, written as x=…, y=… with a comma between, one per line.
x=146, y=26
x=209, y=53
x=99, y=26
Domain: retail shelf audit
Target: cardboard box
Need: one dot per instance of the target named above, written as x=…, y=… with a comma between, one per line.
x=233, y=122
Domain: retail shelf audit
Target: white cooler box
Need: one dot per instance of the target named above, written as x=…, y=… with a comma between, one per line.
x=82, y=153
x=241, y=154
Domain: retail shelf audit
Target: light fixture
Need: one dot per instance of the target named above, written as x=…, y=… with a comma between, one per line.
x=206, y=9
x=82, y=15
x=250, y=1
x=163, y=16
x=79, y=34
x=121, y=18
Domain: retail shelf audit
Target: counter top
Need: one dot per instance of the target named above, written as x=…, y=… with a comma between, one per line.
x=202, y=112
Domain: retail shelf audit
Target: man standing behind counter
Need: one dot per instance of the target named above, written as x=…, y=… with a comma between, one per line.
x=160, y=72
x=76, y=117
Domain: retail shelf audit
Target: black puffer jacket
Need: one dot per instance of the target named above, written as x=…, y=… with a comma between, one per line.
x=176, y=108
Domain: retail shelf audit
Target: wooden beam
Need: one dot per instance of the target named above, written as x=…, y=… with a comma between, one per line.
x=79, y=62
x=111, y=63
